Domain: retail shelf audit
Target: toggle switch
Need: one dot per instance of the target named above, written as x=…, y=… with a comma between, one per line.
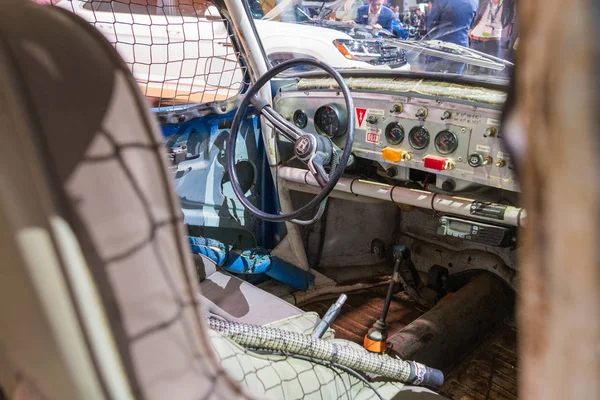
x=372, y=119
x=490, y=132
x=397, y=108
x=421, y=113
x=438, y=163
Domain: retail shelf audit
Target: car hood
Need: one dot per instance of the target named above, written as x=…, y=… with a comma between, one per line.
x=355, y=30
x=276, y=28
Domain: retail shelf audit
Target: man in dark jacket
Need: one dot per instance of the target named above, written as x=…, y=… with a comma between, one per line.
x=491, y=29
x=450, y=21
x=375, y=13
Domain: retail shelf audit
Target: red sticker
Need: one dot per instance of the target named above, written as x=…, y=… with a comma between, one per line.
x=360, y=115
x=372, y=137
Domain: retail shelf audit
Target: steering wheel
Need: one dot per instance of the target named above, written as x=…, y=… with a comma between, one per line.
x=315, y=151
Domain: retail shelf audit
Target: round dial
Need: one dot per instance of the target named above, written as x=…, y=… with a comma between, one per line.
x=330, y=120
x=300, y=119
x=446, y=142
x=418, y=137
x=394, y=133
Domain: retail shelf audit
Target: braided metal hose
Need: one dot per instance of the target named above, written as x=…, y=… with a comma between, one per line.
x=266, y=338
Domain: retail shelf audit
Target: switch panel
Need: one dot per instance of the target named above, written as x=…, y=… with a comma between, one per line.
x=453, y=139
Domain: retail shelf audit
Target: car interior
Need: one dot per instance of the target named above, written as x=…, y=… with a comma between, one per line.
x=182, y=217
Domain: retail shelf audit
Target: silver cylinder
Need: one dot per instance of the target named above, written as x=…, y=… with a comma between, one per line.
x=455, y=205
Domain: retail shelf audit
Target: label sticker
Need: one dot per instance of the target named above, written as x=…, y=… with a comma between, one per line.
x=373, y=137
x=503, y=156
x=489, y=210
x=485, y=149
x=375, y=111
x=493, y=121
x=360, y=116
x=466, y=118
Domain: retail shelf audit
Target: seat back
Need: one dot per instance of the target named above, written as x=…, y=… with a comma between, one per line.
x=86, y=199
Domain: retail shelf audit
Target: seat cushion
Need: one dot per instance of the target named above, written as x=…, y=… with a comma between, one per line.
x=236, y=300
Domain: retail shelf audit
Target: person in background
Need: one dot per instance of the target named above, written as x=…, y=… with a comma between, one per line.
x=419, y=22
x=492, y=29
x=450, y=21
x=397, y=12
x=375, y=13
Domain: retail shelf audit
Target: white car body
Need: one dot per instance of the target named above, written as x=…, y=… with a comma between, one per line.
x=190, y=58
x=311, y=41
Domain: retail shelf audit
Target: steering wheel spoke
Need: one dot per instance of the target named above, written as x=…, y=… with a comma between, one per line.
x=287, y=129
x=317, y=169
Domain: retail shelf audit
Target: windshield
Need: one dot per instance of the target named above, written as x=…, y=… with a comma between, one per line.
x=476, y=38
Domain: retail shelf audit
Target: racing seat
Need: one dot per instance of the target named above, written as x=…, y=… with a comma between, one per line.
x=88, y=210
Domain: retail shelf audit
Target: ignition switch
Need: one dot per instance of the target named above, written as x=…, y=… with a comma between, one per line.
x=478, y=160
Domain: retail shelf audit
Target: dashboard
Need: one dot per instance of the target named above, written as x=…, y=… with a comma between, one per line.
x=455, y=135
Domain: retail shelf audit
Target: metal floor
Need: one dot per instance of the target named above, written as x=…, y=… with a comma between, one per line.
x=488, y=373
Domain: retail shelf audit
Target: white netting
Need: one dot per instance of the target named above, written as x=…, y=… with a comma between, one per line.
x=179, y=51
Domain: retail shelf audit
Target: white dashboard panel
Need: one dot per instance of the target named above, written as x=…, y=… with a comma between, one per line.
x=475, y=127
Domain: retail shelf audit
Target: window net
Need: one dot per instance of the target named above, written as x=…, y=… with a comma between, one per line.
x=179, y=51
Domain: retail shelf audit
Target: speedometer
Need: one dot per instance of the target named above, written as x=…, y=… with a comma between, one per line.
x=330, y=120
x=418, y=137
x=446, y=142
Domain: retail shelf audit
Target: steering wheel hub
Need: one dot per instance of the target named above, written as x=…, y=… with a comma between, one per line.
x=305, y=147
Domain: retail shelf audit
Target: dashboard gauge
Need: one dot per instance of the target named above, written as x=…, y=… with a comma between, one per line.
x=394, y=133
x=446, y=142
x=418, y=137
x=330, y=120
x=300, y=119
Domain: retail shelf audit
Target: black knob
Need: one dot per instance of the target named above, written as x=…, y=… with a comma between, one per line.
x=391, y=172
x=448, y=185
x=371, y=119
x=476, y=160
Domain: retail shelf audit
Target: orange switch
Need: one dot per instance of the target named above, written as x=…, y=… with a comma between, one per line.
x=395, y=155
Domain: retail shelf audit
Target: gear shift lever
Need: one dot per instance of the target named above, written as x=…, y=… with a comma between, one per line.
x=376, y=338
